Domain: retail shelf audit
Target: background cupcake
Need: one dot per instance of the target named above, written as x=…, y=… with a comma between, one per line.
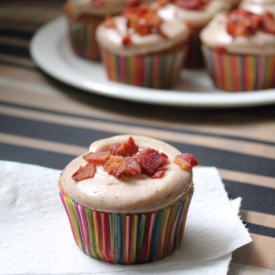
x=124, y=210
x=143, y=47
x=198, y=14
x=239, y=49
x=84, y=16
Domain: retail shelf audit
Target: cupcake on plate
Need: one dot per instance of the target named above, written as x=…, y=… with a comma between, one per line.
x=127, y=198
x=144, y=46
x=198, y=14
x=239, y=50
x=84, y=16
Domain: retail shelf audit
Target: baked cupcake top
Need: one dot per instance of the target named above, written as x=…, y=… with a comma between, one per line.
x=147, y=188
x=200, y=12
x=142, y=30
x=98, y=7
x=241, y=32
x=258, y=6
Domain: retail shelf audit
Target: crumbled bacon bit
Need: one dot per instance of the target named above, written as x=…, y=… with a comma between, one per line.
x=186, y=161
x=113, y=148
x=124, y=160
x=126, y=39
x=159, y=174
x=245, y=23
x=128, y=148
x=84, y=172
x=142, y=19
x=97, y=157
x=147, y=163
x=118, y=166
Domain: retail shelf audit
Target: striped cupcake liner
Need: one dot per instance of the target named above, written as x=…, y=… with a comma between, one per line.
x=232, y=72
x=83, y=41
x=151, y=71
x=127, y=238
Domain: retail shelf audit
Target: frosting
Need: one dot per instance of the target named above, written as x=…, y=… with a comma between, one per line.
x=104, y=192
x=258, y=6
x=98, y=7
x=215, y=34
x=200, y=18
x=175, y=31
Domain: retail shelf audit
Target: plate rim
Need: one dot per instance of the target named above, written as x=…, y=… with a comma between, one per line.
x=56, y=27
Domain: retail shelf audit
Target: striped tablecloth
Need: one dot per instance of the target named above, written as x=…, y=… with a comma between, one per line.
x=47, y=123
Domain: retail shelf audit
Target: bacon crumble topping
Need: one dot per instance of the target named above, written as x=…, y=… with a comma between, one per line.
x=126, y=160
x=141, y=19
x=245, y=23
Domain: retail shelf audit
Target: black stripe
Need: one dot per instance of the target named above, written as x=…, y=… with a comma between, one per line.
x=26, y=35
x=254, y=198
x=261, y=230
x=83, y=137
x=200, y=133
x=14, y=50
x=34, y=156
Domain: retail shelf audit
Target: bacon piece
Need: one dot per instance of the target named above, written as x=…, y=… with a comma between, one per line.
x=128, y=148
x=269, y=23
x=84, y=172
x=97, y=157
x=186, y=161
x=147, y=163
x=113, y=148
x=118, y=166
x=244, y=23
x=126, y=39
x=159, y=158
x=159, y=174
x=132, y=167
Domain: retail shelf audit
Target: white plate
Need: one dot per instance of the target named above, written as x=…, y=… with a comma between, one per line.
x=51, y=50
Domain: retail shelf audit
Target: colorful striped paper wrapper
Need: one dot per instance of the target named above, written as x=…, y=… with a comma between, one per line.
x=160, y=71
x=232, y=72
x=82, y=37
x=127, y=238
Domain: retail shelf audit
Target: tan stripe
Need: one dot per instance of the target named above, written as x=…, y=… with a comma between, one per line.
x=14, y=41
x=259, y=253
x=258, y=218
x=217, y=143
x=247, y=178
x=264, y=131
x=17, y=60
x=42, y=144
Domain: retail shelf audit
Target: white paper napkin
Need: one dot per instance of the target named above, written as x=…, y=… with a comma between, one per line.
x=35, y=236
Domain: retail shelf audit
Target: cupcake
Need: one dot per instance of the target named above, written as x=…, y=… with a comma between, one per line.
x=198, y=14
x=239, y=50
x=144, y=46
x=127, y=199
x=84, y=16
